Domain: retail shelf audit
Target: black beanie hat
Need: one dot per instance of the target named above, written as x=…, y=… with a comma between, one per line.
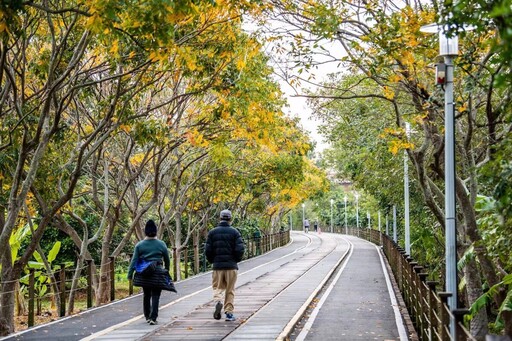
x=150, y=229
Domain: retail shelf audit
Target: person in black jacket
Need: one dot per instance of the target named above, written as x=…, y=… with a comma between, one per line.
x=224, y=249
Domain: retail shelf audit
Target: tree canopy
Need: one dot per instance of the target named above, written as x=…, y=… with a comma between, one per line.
x=116, y=111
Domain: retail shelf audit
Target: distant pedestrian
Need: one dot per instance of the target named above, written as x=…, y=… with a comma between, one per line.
x=153, y=251
x=224, y=249
x=315, y=226
x=306, y=225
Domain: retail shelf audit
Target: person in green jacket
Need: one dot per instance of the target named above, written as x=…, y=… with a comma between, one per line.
x=150, y=249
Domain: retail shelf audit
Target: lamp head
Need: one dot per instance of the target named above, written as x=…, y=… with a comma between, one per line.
x=448, y=46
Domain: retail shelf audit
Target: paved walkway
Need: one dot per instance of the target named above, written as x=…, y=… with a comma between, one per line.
x=319, y=287
x=358, y=305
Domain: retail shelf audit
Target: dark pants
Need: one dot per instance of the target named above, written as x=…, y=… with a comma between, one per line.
x=150, y=302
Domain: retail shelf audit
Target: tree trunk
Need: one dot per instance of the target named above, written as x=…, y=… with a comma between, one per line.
x=104, y=283
x=8, y=285
x=177, y=244
x=474, y=291
x=7, y=310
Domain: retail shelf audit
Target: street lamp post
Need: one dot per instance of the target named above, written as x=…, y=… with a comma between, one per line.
x=303, y=217
x=368, y=217
x=406, y=194
x=357, y=213
x=380, y=232
x=449, y=49
x=346, y=227
x=332, y=201
x=395, y=235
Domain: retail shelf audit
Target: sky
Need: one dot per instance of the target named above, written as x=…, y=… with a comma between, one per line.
x=298, y=105
x=298, y=108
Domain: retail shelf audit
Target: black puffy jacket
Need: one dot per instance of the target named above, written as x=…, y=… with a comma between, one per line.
x=224, y=247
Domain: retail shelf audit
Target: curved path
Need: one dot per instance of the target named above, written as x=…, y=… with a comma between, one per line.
x=318, y=287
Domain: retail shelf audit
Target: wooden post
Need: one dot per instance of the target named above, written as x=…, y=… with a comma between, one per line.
x=432, y=309
x=175, y=261
x=423, y=305
x=444, y=327
x=185, y=259
x=204, y=259
x=460, y=334
x=31, y=281
x=112, y=278
x=89, y=283
x=401, y=267
x=412, y=286
x=196, y=259
x=416, y=294
x=62, y=277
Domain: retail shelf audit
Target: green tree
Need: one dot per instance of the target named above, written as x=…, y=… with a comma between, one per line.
x=391, y=57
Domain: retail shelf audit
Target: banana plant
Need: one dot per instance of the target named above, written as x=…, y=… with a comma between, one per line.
x=15, y=241
x=44, y=274
x=486, y=299
x=491, y=223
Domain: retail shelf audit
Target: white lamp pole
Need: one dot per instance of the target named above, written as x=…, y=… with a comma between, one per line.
x=368, y=217
x=406, y=194
x=357, y=213
x=449, y=166
x=395, y=237
x=449, y=49
x=332, y=201
x=380, y=231
x=346, y=228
